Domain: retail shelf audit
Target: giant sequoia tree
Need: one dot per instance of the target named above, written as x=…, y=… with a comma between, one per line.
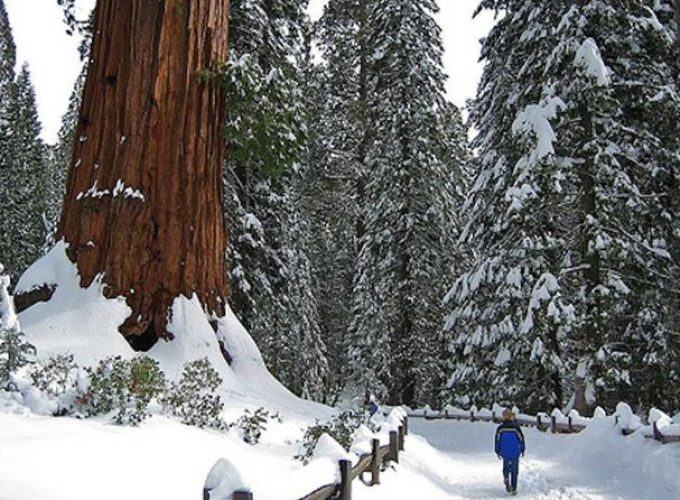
x=143, y=203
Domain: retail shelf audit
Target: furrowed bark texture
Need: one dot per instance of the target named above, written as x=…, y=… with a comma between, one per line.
x=143, y=207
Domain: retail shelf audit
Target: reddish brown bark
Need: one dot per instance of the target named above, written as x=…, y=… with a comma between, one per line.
x=152, y=120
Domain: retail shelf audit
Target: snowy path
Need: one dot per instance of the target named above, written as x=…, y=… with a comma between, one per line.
x=597, y=465
x=469, y=468
x=46, y=458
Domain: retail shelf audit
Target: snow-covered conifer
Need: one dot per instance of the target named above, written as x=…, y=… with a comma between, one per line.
x=15, y=351
x=333, y=178
x=24, y=179
x=270, y=271
x=403, y=264
x=570, y=209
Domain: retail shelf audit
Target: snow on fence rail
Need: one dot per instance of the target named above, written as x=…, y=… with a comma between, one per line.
x=662, y=428
x=371, y=463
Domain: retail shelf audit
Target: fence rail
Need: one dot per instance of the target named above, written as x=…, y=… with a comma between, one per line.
x=543, y=423
x=369, y=463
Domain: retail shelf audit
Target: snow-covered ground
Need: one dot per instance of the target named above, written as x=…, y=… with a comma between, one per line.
x=64, y=458
x=454, y=460
x=59, y=458
x=45, y=458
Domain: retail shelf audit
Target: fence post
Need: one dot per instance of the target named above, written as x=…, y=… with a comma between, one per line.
x=553, y=424
x=446, y=413
x=345, y=480
x=401, y=437
x=656, y=434
x=493, y=415
x=538, y=423
x=242, y=495
x=394, y=446
x=406, y=426
x=472, y=415
x=570, y=426
x=375, y=462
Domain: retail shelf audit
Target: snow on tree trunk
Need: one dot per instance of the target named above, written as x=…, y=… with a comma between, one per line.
x=143, y=201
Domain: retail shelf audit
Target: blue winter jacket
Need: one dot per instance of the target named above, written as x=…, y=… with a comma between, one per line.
x=509, y=440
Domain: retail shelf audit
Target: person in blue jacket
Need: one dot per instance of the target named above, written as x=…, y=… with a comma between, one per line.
x=372, y=406
x=509, y=445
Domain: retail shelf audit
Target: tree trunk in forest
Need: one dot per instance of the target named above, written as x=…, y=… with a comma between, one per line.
x=143, y=206
x=362, y=150
x=677, y=20
x=589, y=256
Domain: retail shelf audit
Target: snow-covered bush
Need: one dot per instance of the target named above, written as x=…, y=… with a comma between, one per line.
x=15, y=351
x=124, y=386
x=341, y=428
x=253, y=424
x=192, y=398
x=57, y=377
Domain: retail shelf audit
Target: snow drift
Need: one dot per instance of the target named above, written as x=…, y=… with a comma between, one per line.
x=82, y=321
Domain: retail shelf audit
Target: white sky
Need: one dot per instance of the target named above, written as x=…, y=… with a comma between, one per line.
x=52, y=55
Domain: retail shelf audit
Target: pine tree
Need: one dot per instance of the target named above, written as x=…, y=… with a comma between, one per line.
x=493, y=337
x=570, y=211
x=403, y=264
x=15, y=351
x=308, y=368
x=333, y=183
x=7, y=76
x=7, y=63
x=271, y=272
x=25, y=178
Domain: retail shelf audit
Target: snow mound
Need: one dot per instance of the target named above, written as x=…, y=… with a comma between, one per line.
x=223, y=480
x=659, y=417
x=77, y=320
x=329, y=448
x=362, y=440
x=626, y=418
x=599, y=412
x=83, y=322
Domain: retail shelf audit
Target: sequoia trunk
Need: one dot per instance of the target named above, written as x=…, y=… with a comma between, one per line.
x=143, y=207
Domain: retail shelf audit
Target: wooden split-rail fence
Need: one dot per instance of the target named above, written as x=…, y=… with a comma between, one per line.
x=371, y=463
x=544, y=423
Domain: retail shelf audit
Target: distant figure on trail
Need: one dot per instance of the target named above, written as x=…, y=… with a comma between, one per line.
x=372, y=406
x=509, y=446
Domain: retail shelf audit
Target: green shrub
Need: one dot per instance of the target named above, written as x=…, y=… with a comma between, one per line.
x=341, y=428
x=56, y=376
x=253, y=424
x=126, y=387
x=192, y=398
x=15, y=353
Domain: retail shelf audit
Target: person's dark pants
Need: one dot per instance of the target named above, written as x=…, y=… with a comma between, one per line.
x=511, y=470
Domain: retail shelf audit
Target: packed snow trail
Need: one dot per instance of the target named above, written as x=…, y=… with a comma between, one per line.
x=596, y=464
x=470, y=469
